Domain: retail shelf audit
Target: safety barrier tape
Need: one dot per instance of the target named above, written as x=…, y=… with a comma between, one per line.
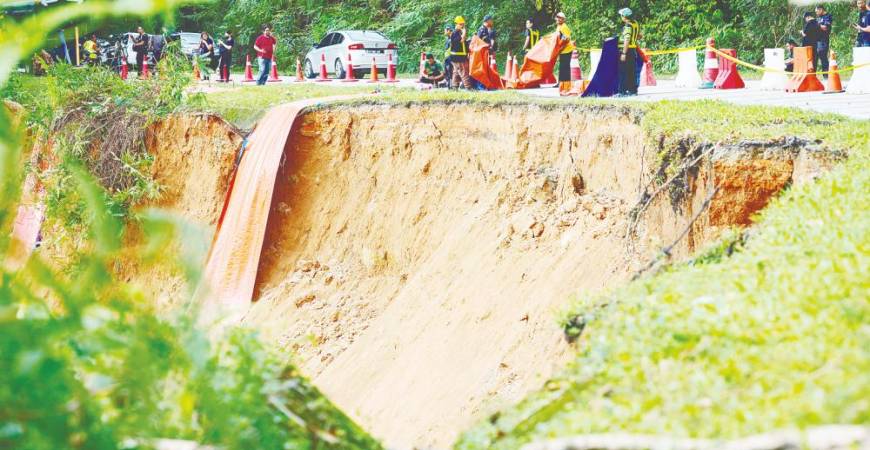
x=769, y=69
x=671, y=51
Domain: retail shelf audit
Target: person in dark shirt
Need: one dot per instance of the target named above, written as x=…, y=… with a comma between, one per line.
x=487, y=33
x=225, y=48
x=532, y=35
x=140, y=47
x=206, y=54
x=789, y=53
x=823, y=47
x=459, y=55
x=863, y=25
x=811, y=34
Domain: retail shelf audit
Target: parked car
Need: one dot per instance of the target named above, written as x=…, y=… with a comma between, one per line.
x=189, y=42
x=362, y=46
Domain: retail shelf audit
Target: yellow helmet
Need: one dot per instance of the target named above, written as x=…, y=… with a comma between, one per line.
x=458, y=20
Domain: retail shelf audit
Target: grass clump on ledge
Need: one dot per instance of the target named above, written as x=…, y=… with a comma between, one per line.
x=774, y=336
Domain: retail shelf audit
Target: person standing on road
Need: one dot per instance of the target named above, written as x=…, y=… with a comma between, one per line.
x=532, y=34
x=811, y=34
x=265, y=48
x=863, y=25
x=823, y=47
x=140, y=47
x=459, y=55
x=206, y=53
x=225, y=47
x=92, y=51
x=486, y=32
x=628, y=54
x=564, y=54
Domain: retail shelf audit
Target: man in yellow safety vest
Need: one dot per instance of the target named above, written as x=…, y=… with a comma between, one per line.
x=459, y=55
x=628, y=54
x=565, y=54
x=533, y=35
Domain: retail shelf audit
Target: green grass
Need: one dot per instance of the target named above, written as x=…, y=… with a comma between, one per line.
x=776, y=335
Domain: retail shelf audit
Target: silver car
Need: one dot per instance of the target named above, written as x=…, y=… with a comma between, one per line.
x=362, y=46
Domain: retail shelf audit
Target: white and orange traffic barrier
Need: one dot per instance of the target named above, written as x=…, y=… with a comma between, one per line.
x=711, y=66
x=324, y=75
x=577, y=85
x=249, y=74
x=860, y=81
x=774, y=79
x=594, y=59
x=687, y=74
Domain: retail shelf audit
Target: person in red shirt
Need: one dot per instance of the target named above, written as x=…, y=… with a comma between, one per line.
x=265, y=48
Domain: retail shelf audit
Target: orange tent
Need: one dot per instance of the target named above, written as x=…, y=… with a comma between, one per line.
x=480, y=67
x=540, y=62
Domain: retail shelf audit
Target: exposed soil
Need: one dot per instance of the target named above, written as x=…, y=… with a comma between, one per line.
x=416, y=258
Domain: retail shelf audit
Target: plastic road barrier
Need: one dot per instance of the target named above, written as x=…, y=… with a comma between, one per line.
x=729, y=76
x=688, y=76
x=803, y=80
x=775, y=79
x=594, y=59
x=860, y=81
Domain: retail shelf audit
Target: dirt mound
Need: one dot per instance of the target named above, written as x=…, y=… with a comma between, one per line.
x=415, y=257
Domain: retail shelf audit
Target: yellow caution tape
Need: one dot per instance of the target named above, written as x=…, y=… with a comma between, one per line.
x=768, y=69
x=671, y=51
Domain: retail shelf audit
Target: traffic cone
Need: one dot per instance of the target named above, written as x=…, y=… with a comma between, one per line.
x=196, y=73
x=835, y=86
x=493, y=64
x=422, y=64
x=349, y=76
x=711, y=66
x=515, y=70
x=124, y=70
x=249, y=74
x=391, y=70
x=300, y=77
x=324, y=77
x=273, y=76
x=576, y=75
x=647, y=77
x=507, y=68
x=374, y=76
x=145, y=75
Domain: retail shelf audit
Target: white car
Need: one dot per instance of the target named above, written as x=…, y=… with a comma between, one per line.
x=362, y=46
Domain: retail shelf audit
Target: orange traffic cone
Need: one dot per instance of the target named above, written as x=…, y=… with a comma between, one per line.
x=300, y=77
x=249, y=74
x=196, y=73
x=835, y=86
x=124, y=70
x=507, y=68
x=391, y=70
x=349, y=76
x=647, y=77
x=493, y=64
x=145, y=75
x=515, y=69
x=374, y=78
x=324, y=77
x=576, y=75
x=273, y=77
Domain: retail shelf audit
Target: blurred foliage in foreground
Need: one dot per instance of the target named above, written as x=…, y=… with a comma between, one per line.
x=774, y=336
x=86, y=362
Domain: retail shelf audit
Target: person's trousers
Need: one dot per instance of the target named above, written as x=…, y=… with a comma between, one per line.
x=140, y=61
x=448, y=70
x=628, y=73
x=460, y=74
x=821, y=57
x=265, y=67
x=224, y=67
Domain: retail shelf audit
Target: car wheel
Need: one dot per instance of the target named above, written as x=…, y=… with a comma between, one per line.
x=339, y=69
x=309, y=69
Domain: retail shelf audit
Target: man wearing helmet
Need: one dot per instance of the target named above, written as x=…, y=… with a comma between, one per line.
x=459, y=55
x=628, y=54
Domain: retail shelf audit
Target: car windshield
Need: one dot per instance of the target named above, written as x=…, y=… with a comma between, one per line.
x=365, y=35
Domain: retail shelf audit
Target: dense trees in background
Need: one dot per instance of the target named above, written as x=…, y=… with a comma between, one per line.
x=416, y=25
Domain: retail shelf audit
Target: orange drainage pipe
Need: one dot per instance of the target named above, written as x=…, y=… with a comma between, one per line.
x=227, y=286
